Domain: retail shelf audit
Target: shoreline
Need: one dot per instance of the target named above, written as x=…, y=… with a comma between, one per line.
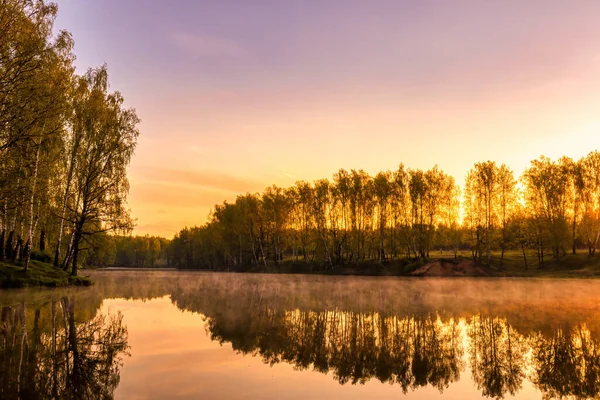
x=442, y=267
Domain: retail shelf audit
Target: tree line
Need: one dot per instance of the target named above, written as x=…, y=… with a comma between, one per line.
x=128, y=251
x=553, y=209
x=65, y=143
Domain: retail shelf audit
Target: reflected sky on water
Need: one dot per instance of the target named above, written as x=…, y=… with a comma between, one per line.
x=140, y=335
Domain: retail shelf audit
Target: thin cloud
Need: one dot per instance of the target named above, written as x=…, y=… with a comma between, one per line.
x=204, y=179
x=207, y=46
x=162, y=228
x=160, y=195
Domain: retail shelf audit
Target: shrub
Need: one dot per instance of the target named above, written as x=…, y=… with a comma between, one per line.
x=41, y=256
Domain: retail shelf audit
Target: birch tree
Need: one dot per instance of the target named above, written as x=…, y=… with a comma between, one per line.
x=100, y=186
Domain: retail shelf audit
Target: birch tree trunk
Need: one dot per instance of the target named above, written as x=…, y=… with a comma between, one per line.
x=64, y=203
x=31, y=207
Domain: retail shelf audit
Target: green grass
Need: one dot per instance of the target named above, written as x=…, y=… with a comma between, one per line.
x=579, y=265
x=38, y=274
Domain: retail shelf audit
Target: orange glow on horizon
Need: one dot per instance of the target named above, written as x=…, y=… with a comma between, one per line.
x=234, y=105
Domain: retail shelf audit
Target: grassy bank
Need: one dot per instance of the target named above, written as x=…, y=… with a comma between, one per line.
x=38, y=274
x=579, y=265
x=511, y=265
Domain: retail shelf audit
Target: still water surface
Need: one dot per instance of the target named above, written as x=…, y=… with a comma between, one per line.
x=185, y=335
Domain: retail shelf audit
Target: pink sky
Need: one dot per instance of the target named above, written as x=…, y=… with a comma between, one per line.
x=237, y=95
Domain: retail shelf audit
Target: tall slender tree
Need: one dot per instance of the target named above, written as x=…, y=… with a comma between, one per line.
x=108, y=139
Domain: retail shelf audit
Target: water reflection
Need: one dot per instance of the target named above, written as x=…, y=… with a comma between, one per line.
x=418, y=351
x=496, y=356
x=409, y=334
x=567, y=363
x=56, y=350
x=355, y=347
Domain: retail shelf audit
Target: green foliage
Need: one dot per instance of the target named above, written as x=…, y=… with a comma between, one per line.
x=65, y=144
x=41, y=256
x=356, y=219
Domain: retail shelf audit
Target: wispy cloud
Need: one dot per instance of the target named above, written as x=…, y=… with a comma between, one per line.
x=162, y=228
x=203, y=179
x=208, y=46
x=161, y=195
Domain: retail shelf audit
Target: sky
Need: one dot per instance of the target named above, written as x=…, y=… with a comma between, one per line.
x=237, y=95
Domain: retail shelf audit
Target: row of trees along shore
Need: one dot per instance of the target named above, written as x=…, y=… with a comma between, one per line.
x=554, y=208
x=127, y=251
x=65, y=142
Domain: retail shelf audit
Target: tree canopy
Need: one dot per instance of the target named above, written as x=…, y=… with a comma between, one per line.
x=552, y=209
x=65, y=142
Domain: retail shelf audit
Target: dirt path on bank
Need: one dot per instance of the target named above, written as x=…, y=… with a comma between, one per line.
x=460, y=267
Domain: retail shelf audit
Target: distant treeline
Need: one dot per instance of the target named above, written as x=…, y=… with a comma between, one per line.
x=128, y=251
x=404, y=214
x=65, y=143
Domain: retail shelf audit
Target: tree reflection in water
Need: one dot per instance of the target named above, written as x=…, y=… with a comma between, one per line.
x=409, y=334
x=496, y=356
x=55, y=351
x=567, y=363
x=418, y=351
x=412, y=351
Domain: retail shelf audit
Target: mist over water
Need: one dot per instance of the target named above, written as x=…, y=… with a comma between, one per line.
x=184, y=335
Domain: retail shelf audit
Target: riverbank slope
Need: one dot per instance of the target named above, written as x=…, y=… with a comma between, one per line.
x=511, y=265
x=38, y=274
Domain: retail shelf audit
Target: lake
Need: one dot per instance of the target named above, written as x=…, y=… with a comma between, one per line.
x=188, y=335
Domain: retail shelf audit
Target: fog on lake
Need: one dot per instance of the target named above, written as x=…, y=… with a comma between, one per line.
x=185, y=335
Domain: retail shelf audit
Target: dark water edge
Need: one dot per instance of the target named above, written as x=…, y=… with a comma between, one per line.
x=572, y=266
